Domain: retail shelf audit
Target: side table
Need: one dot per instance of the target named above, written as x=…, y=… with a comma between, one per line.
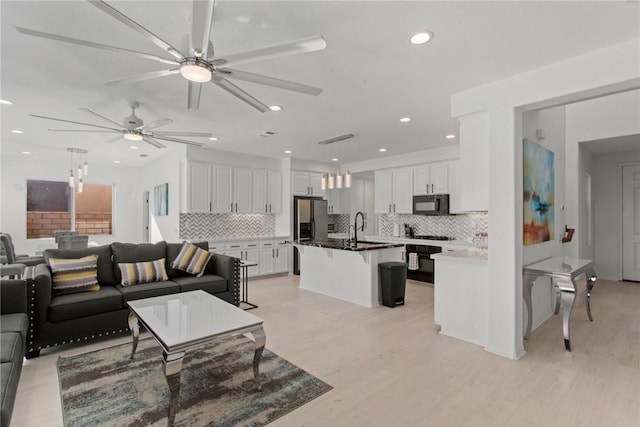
x=244, y=289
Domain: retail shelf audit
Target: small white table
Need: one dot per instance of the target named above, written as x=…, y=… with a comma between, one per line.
x=563, y=273
x=244, y=297
x=181, y=322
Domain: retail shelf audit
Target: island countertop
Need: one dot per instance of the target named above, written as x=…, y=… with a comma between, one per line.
x=348, y=246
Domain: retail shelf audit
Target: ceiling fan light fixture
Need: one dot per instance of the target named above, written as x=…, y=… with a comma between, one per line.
x=195, y=71
x=132, y=136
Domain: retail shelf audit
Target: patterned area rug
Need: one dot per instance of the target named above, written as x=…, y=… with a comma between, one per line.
x=106, y=387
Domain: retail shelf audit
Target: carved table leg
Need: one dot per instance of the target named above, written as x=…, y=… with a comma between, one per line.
x=568, y=289
x=527, y=284
x=260, y=339
x=591, y=282
x=135, y=331
x=172, y=368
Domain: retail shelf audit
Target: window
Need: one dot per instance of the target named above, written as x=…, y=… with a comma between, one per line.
x=51, y=206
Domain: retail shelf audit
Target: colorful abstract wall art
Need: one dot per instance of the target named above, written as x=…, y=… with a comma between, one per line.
x=538, y=192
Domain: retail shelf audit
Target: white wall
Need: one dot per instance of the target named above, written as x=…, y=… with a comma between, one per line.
x=432, y=155
x=165, y=170
x=603, y=71
x=606, y=215
x=54, y=166
x=551, y=122
x=605, y=117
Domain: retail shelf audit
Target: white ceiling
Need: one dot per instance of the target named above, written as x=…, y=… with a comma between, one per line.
x=371, y=75
x=617, y=144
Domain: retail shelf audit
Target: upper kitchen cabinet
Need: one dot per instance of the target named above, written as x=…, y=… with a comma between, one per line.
x=474, y=162
x=219, y=188
x=362, y=200
x=431, y=179
x=454, y=187
x=199, y=187
x=338, y=200
x=394, y=191
x=307, y=184
x=267, y=191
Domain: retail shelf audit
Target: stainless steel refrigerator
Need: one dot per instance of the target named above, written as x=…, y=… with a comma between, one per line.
x=311, y=222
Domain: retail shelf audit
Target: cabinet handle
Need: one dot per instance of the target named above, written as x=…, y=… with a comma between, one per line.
x=273, y=253
x=231, y=206
x=427, y=188
x=389, y=207
x=209, y=206
x=431, y=188
x=269, y=207
x=265, y=208
x=278, y=252
x=236, y=207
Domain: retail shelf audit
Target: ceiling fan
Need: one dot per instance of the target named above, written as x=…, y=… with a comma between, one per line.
x=200, y=65
x=132, y=129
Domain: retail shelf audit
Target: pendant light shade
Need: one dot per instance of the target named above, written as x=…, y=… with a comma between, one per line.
x=331, y=182
x=85, y=168
x=323, y=182
x=347, y=179
x=71, y=180
x=338, y=180
x=80, y=186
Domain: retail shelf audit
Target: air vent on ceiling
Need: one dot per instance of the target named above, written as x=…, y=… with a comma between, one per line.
x=336, y=139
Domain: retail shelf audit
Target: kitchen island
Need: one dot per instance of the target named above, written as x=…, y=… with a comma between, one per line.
x=345, y=271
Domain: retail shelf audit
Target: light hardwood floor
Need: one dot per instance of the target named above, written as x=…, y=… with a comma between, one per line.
x=391, y=367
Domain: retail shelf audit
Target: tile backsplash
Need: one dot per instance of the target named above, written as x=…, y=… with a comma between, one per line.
x=340, y=221
x=460, y=227
x=208, y=226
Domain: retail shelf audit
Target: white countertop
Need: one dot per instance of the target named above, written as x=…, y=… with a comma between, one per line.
x=471, y=255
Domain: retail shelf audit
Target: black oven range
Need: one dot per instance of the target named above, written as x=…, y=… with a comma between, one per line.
x=421, y=265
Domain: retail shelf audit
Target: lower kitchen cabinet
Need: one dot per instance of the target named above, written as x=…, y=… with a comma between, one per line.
x=272, y=256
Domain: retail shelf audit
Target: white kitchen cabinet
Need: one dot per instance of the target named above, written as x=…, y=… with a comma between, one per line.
x=267, y=191
x=199, y=187
x=338, y=200
x=274, y=257
x=307, y=184
x=246, y=251
x=282, y=258
x=217, y=247
x=232, y=189
x=394, y=191
x=454, y=187
x=431, y=179
x=474, y=162
x=362, y=200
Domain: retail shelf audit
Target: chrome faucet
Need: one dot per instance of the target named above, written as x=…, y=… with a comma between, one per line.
x=355, y=227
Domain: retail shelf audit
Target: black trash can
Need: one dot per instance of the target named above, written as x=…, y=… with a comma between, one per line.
x=392, y=278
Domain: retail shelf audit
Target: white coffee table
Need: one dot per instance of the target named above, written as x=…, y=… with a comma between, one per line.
x=181, y=322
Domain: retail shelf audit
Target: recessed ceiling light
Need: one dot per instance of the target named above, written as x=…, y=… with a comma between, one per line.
x=335, y=159
x=288, y=151
x=26, y=152
x=17, y=131
x=5, y=102
x=405, y=119
x=382, y=150
x=133, y=147
x=275, y=108
x=116, y=161
x=421, y=37
x=450, y=136
x=213, y=138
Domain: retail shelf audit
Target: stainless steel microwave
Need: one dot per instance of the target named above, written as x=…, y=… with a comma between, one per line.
x=431, y=204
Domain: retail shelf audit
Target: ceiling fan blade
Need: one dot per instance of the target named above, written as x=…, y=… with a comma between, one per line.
x=137, y=27
x=153, y=142
x=143, y=77
x=239, y=93
x=76, y=123
x=114, y=139
x=270, y=81
x=202, y=21
x=101, y=117
x=193, y=95
x=155, y=124
x=307, y=44
x=83, y=130
x=182, y=141
x=92, y=44
x=178, y=133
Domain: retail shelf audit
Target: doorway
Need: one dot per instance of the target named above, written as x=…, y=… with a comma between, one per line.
x=631, y=222
x=145, y=217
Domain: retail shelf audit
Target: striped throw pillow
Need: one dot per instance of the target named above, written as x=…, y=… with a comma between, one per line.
x=142, y=272
x=191, y=259
x=74, y=275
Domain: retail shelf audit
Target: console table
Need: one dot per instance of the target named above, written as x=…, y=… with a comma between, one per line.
x=563, y=273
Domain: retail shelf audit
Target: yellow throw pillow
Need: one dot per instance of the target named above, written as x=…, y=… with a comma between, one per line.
x=191, y=259
x=74, y=275
x=142, y=272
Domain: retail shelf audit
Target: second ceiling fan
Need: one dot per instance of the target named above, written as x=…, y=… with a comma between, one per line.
x=200, y=65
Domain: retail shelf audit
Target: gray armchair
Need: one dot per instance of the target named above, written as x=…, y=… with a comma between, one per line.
x=10, y=253
x=74, y=241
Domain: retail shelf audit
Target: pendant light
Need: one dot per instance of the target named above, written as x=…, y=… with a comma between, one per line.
x=338, y=180
x=323, y=182
x=347, y=179
x=77, y=182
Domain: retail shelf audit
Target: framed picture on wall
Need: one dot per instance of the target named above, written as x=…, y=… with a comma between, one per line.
x=161, y=200
x=538, y=193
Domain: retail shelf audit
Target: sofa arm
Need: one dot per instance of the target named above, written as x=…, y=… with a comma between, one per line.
x=13, y=296
x=39, y=287
x=229, y=268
